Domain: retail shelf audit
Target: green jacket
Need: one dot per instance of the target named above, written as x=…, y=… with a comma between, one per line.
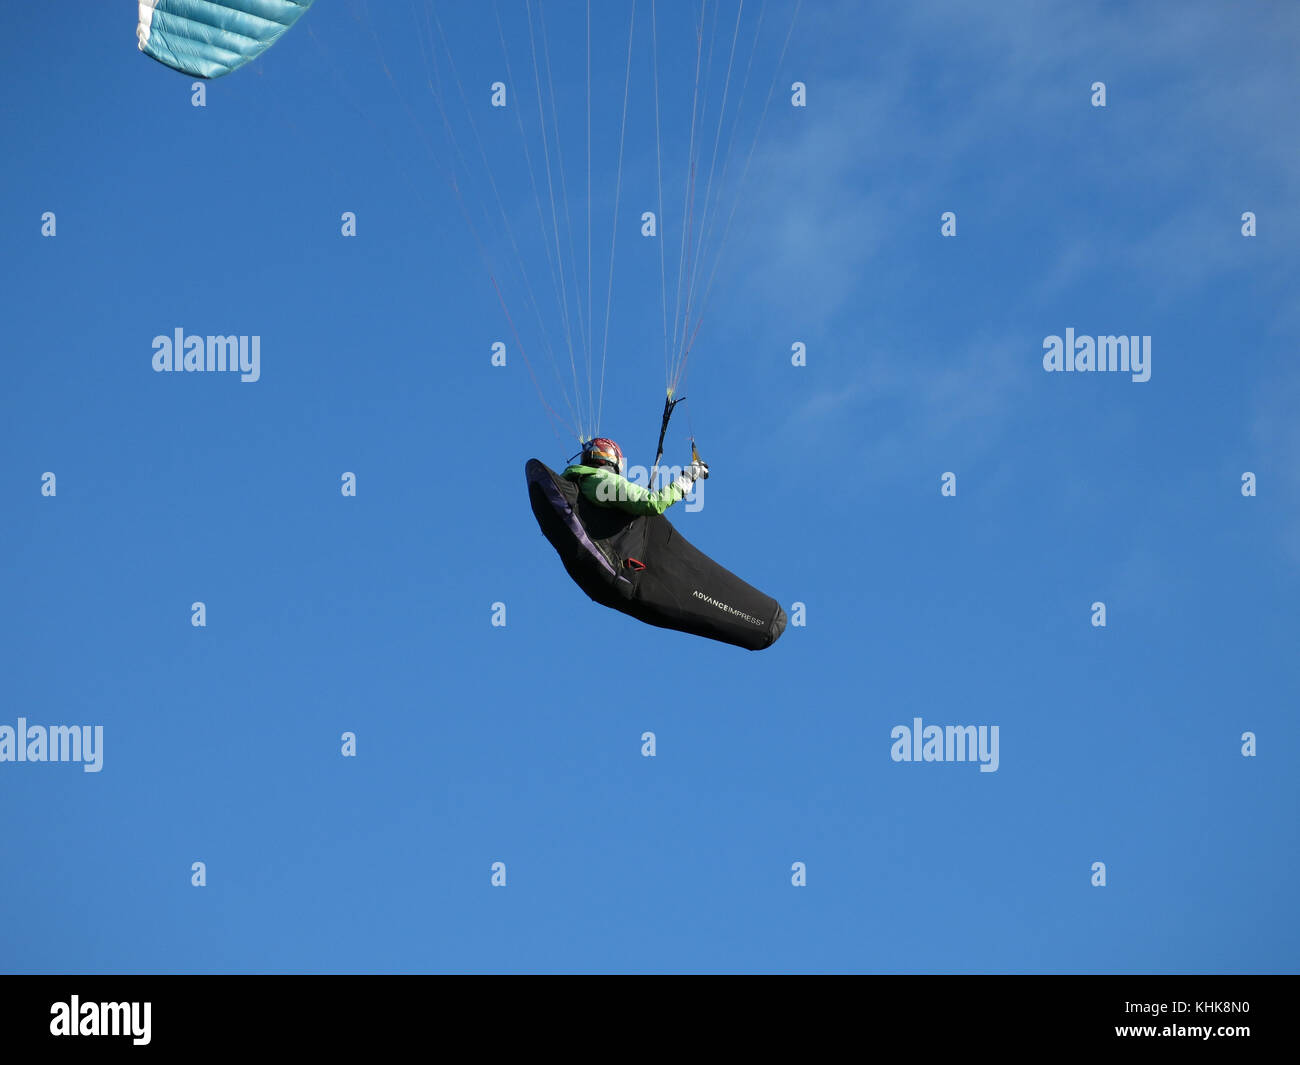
x=606, y=488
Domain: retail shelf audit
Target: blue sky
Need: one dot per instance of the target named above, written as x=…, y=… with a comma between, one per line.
x=521, y=744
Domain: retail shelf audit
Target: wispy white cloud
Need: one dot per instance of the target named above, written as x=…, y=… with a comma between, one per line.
x=908, y=402
x=1275, y=430
x=984, y=109
x=989, y=103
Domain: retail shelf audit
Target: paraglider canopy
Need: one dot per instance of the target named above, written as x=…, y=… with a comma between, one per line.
x=209, y=38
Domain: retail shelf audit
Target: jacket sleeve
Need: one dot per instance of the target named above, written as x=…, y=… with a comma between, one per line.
x=608, y=489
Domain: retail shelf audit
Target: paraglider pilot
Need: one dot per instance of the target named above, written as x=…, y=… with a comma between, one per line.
x=601, y=471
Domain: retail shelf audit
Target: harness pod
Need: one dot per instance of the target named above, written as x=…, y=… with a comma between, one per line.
x=641, y=565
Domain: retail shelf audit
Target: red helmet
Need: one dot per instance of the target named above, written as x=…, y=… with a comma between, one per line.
x=604, y=452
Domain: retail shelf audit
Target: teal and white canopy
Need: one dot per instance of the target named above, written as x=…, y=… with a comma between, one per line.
x=209, y=38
